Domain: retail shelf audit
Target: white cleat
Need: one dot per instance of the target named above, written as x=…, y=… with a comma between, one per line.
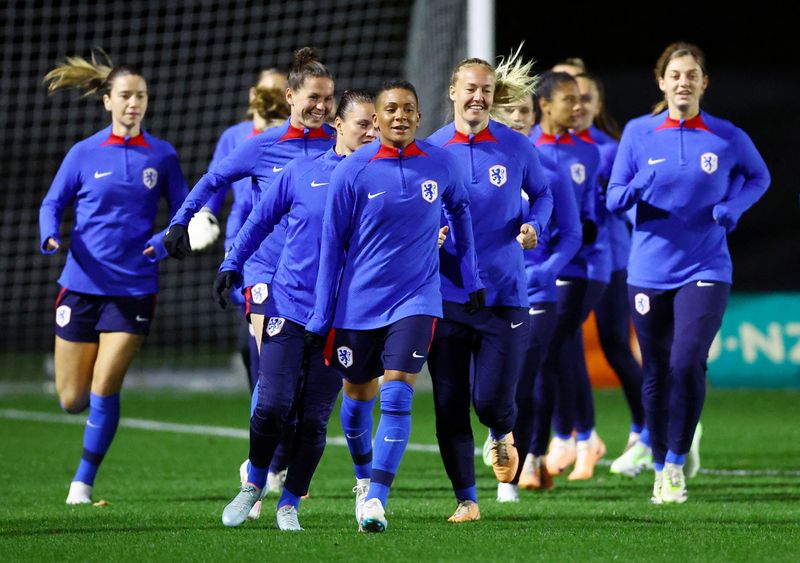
x=633, y=437
x=237, y=510
x=373, y=517
x=79, y=493
x=275, y=482
x=361, y=489
x=507, y=492
x=486, y=454
x=287, y=519
x=693, y=457
x=255, y=512
x=635, y=460
x=656, y=498
x=673, y=488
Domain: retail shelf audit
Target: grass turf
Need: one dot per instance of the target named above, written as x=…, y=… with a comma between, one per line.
x=166, y=492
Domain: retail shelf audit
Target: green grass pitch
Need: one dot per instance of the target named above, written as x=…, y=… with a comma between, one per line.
x=166, y=491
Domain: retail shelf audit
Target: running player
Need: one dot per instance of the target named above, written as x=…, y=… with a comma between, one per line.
x=687, y=178
x=378, y=283
x=299, y=194
x=114, y=180
x=501, y=165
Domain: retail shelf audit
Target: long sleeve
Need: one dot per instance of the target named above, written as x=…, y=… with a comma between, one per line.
x=336, y=230
x=175, y=190
x=61, y=194
x=539, y=193
x=756, y=177
x=455, y=200
x=620, y=196
x=261, y=221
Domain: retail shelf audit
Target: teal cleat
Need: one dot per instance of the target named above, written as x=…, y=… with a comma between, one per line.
x=237, y=510
x=373, y=517
x=287, y=519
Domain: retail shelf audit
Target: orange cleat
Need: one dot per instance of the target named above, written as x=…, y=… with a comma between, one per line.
x=589, y=453
x=560, y=456
x=466, y=511
x=505, y=459
x=534, y=476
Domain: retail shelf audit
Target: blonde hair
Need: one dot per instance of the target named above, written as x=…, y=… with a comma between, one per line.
x=270, y=105
x=93, y=77
x=515, y=78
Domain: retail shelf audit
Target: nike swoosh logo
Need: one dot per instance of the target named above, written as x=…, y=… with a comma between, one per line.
x=387, y=439
x=705, y=284
x=515, y=325
x=356, y=436
x=533, y=311
x=98, y=175
x=415, y=355
x=276, y=169
x=561, y=283
x=652, y=161
x=316, y=185
x=141, y=319
x=89, y=424
x=373, y=196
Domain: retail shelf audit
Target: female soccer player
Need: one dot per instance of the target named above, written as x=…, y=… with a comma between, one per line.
x=556, y=247
x=581, y=281
x=687, y=177
x=378, y=283
x=267, y=108
x=299, y=194
x=491, y=344
x=611, y=310
x=114, y=180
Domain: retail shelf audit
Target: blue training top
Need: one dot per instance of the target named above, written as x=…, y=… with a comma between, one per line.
x=703, y=166
x=299, y=193
x=500, y=163
x=261, y=157
x=114, y=184
x=379, y=261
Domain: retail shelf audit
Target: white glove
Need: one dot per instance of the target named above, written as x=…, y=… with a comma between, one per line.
x=203, y=230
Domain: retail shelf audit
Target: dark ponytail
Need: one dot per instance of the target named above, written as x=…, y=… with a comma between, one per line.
x=306, y=64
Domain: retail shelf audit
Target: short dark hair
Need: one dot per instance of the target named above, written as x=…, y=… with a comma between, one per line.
x=398, y=84
x=351, y=98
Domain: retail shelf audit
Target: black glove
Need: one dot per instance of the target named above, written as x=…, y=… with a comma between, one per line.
x=477, y=301
x=225, y=281
x=589, y=232
x=177, y=241
x=312, y=341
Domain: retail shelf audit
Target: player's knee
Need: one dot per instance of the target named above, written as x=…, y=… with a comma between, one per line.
x=72, y=401
x=270, y=417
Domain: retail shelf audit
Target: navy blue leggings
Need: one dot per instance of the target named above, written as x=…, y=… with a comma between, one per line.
x=675, y=328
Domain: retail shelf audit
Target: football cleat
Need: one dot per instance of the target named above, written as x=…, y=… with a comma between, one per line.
x=237, y=510
x=79, y=493
x=486, y=454
x=507, y=492
x=657, y=483
x=635, y=460
x=361, y=489
x=255, y=512
x=693, y=457
x=373, y=517
x=534, y=474
x=466, y=511
x=275, y=482
x=588, y=453
x=673, y=487
x=505, y=458
x=287, y=519
x=561, y=455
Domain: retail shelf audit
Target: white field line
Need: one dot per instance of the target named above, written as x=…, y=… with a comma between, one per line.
x=226, y=432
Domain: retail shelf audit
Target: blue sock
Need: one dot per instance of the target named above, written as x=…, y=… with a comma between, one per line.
x=583, y=436
x=644, y=438
x=256, y=475
x=470, y=493
x=100, y=429
x=356, y=417
x=288, y=499
x=677, y=459
x=391, y=437
x=564, y=437
x=659, y=467
x=496, y=435
x=637, y=428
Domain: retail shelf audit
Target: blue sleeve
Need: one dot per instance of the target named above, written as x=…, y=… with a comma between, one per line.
x=455, y=200
x=619, y=195
x=535, y=185
x=61, y=194
x=175, y=190
x=336, y=230
x=224, y=147
x=274, y=204
x=239, y=164
x=752, y=168
x=568, y=241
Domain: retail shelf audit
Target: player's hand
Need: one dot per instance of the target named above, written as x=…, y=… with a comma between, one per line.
x=313, y=341
x=51, y=245
x=589, y=231
x=150, y=251
x=477, y=301
x=177, y=242
x=724, y=217
x=527, y=236
x=223, y=283
x=643, y=179
x=203, y=230
x=443, y=235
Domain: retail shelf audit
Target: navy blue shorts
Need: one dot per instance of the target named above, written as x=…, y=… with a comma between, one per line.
x=81, y=317
x=360, y=356
x=255, y=299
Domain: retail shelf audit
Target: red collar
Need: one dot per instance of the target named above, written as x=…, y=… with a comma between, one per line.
x=392, y=152
x=296, y=133
x=137, y=141
x=483, y=136
x=254, y=132
x=547, y=139
x=586, y=135
x=694, y=123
